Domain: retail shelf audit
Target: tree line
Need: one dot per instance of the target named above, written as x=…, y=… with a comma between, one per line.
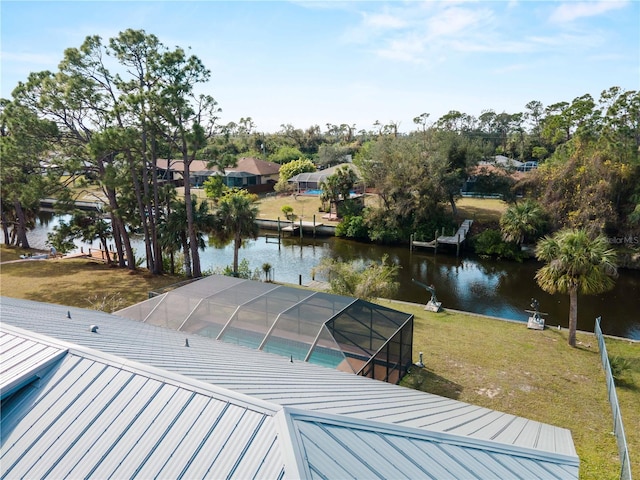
x=100, y=123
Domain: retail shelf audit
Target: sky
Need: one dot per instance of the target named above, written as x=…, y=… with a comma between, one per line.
x=305, y=63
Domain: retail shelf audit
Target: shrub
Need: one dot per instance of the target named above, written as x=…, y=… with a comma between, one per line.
x=352, y=227
x=287, y=210
x=490, y=243
x=243, y=271
x=619, y=366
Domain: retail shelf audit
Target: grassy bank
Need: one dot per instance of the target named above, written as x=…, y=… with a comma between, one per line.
x=534, y=374
x=480, y=210
x=78, y=282
x=495, y=364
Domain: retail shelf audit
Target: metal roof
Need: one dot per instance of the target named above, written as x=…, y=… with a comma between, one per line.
x=339, y=447
x=321, y=421
x=95, y=416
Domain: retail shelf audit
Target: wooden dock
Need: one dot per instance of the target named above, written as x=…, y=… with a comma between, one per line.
x=300, y=226
x=456, y=239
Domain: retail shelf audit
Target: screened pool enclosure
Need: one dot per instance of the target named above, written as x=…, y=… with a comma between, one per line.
x=316, y=327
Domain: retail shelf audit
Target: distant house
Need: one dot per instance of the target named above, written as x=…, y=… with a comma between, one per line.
x=504, y=162
x=312, y=180
x=488, y=173
x=250, y=173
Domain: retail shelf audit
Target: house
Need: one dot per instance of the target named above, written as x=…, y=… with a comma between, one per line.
x=311, y=181
x=89, y=394
x=253, y=174
x=489, y=179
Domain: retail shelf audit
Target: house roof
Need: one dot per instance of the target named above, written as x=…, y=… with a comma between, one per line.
x=176, y=165
x=255, y=166
x=320, y=175
x=251, y=165
x=490, y=168
x=78, y=402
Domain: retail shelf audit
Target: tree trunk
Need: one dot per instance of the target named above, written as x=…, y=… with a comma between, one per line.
x=21, y=226
x=454, y=208
x=5, y=228
x=142, y=211
x=573, y=314
x=104, y=242
x=237, y=241
x=193, y=236
x=159, y=267
x=187, y=255
x=120, y=234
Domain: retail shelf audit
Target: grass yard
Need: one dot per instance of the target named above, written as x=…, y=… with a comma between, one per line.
x=481, y=210
x=304, y=207
x=77, y=282
x=534, y=374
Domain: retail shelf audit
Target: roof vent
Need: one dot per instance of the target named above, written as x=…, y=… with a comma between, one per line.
x=68, y=314
x=186, y=342
x=93, y=328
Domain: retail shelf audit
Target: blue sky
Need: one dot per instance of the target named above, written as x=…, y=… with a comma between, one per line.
x=316, y=62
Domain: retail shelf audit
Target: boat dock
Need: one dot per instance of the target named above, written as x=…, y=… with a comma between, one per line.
x=48, y=205
x=299, y=227
x=456, y=239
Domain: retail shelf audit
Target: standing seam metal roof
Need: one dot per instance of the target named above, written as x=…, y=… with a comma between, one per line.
x=334, y=421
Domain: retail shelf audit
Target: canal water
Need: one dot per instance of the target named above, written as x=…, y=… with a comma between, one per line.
x=469, y=283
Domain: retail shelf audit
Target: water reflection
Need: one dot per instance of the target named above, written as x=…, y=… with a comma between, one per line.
x=488, y=287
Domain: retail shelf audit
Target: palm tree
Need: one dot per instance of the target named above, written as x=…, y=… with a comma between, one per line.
x=521, y=220
x=360, y=279
x=266, y=268
x=575, y=263
x=235, y=219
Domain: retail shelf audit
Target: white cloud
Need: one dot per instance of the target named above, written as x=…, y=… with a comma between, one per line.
x=407, y=49
x=570, y=11
x=383, y=21
x=457, y=21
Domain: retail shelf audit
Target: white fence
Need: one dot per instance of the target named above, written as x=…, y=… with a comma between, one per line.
x=618, y=427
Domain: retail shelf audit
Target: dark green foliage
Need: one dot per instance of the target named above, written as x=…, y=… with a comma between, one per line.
x=619, y=366
x=61, y=237
x=383, y=227
x=427, y=229
x=365, y=280
x=353, y=227
x=243, y=270
x=351, y=207
x=286, y=154
x=490, y=243
x=493, y=183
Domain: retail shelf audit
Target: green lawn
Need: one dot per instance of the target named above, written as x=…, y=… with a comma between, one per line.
x=534, y=374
